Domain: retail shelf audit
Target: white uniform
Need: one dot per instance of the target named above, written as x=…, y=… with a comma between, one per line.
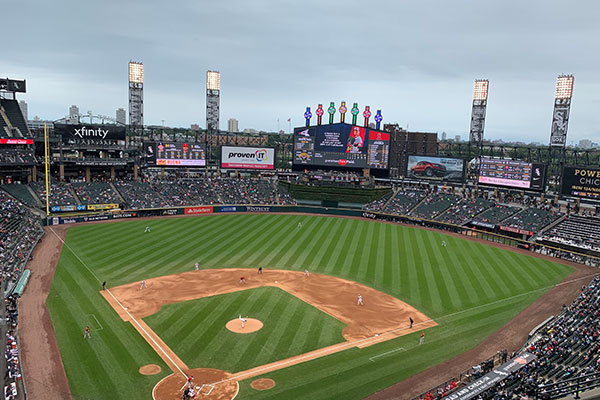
x=306, y=274
x=147, y=229
x=143, y=284
x=360, y=301
x=197, y=267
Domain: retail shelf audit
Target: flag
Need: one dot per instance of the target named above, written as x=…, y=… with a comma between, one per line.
x=289, y=120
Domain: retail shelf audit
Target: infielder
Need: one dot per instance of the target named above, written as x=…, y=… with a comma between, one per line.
x=197, y=267
x=360, y=301
x=306, y=274
x=242, y=320
x=143, y=285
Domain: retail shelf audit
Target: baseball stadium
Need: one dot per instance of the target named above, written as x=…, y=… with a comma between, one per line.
x=347, y=259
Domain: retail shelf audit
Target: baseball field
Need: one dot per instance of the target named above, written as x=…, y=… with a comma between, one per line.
x=461, y=292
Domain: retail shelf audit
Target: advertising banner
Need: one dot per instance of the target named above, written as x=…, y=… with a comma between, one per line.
x=258, y=209
x=447, y=169
x=79, y=207
x=102, y=206
x=515, y=230
x=198, y=210
x=492, y=378
x=90, y=132
x=175, y=154
x=247, y=157
x=16, y=141
x=230, y=208
x=581, y=182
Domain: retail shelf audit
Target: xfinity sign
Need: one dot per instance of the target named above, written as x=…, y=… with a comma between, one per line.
x=247, y=157
x=90, y=132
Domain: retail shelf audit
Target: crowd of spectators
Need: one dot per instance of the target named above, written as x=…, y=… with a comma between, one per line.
x=61, y=193
x=17, y=157
x=187, y=192
x=247, y=191
x=434, y=205
x=494, y=215
x=139, y=194
x=11, y=354
x=531, y=219
x=464, y=211
x=404, y=200
x=19, y=232
x=576, y=231
x=95, y=193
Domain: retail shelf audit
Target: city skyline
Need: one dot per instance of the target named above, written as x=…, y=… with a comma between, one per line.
x=416, y=65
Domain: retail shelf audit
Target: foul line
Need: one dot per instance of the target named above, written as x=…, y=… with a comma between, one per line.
x=387, y=352
x=121, y=305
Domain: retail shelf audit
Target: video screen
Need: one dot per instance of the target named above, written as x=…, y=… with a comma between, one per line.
x=341, y=145
x=175, y=154
x=512, y=173
x=581, y=182
x=247, y=157
x=435, y=168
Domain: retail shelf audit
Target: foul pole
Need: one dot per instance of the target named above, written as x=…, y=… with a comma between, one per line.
x=47, y=164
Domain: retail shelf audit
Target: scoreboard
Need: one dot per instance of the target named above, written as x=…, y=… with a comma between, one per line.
x=512, y=173
x=341, y=145
x=175, y=154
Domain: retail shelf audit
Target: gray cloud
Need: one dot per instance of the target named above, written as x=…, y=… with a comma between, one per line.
x=414, y=60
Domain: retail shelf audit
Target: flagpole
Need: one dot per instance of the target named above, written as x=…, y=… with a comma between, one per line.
x=290, y=121
x=47, y=163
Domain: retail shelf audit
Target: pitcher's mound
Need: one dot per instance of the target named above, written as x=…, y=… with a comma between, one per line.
x=262, y=384
x=251, y=325
x=150, y=369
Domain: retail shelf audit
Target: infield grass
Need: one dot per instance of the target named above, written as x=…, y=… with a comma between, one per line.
x=469, y=288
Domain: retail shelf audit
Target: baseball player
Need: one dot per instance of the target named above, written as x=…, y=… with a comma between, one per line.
x=411, y=322
x=422, y=339
x=299, y=224
x=197, y=267
x=147, y=229
x=189, y=380
x=86, y=334
x=360, y=301
x=143, y=285
x=306, y=274
x=104, y=285
x=243, y=279
x=443, y=243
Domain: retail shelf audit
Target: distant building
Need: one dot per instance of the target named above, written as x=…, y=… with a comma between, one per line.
x=195, y=127
x=232, y=125
x=23, y=106
x=585, y=144
x=121, y=116
x=443, y=135
x=73, y=114
x=250, y=130
x=37, y=123
x=457, y=138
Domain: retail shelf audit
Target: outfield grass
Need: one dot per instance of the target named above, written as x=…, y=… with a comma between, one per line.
x=469, y=288
x=195, y=330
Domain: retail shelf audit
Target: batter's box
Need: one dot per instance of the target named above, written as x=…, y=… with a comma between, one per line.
x=94, y=324
x=206, y=389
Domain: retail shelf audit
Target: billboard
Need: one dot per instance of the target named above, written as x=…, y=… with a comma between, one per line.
x=512, y=173
x=175, y=154
x=12, y=85
x=341, y=145
x=90, y=132
x=441, y=168
x=247, y=157
x=16, y=141
x=581, y=182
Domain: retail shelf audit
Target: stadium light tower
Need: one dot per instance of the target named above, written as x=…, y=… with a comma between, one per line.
x=213, y=93
x=562, y=108
x=136, y=95
x=480, y=96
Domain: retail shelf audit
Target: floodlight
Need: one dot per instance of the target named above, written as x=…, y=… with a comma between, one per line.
x=213, y=80
x=480, y=91
x=564, y=87
x=136, y=72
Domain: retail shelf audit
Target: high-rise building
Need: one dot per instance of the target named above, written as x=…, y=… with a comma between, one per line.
x=457, y=138
x=213, y=94
x=136, y=95
x=23, y=106
x=73, y=115
x=585, y=144
x=121, y=116
x=443, y=135
x=232, y=125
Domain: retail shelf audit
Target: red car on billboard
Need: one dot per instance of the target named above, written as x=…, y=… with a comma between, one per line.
x=428, y=169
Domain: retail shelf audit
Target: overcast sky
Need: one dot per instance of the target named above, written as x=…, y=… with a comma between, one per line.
x=414, y=60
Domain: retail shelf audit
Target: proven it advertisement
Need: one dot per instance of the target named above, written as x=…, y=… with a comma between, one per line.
x=247, y=157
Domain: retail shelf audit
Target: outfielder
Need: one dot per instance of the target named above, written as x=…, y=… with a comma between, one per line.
x=147, y=229
x=86, y=334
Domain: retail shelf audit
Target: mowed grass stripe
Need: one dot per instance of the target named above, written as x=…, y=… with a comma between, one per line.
x=204, y=342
